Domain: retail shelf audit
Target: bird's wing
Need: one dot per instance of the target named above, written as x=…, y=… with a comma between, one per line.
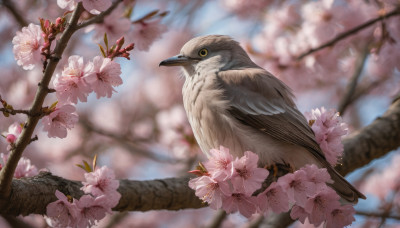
x=258, y=99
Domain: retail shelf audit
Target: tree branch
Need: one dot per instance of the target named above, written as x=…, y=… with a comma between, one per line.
x=18, y=17
x=99, y=18
x=372, y=141
x=24, y=139
x=351, y=86
x=31, y=195
x=350, y=32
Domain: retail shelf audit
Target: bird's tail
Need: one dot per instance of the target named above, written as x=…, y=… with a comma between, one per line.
x=344, y=188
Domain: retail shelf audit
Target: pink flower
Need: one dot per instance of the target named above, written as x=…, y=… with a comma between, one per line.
x=14, y=130
x=145, y=33
x=102, y=182
x=106, y=74
x=240, y=202
x=27, y=46
x=115, y=25
x=220, y=164
x=273, y=198
x=321, y=205
x=70, y=85
x=58, y=121
x=247, y=177
x=24, y=167
x=297, y=186
x=96, y=6
x=210, y=191
x=90, y=210
x=299, y=213
x=67, y=4
x=62, y=213
x=329, y=129
x=341, y=217
x=317, y=176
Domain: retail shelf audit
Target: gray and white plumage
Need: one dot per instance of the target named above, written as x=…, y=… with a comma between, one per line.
x=230, y=101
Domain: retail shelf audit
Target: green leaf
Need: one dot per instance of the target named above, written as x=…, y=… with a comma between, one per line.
x=163, y=14
x=94, y=162
x=87, y=167
x=106, y=41
x=53, y=106
x=80, y=166
x=102, y=51
x=149, y=15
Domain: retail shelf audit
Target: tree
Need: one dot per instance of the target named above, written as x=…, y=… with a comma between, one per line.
x=338, y=54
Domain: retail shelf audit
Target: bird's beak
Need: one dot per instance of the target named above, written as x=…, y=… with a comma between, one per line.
x=177, y=60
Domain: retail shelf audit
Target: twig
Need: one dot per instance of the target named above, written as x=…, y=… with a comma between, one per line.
x=377, y=215
x=350, y=32
x=18, y=17
x=15, y=111
x=99, y=18
x=218, y=219
x=7, y=172
x=127, y=143
x=351, y=87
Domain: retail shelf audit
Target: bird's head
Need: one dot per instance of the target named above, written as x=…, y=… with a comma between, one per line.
x=208, y=54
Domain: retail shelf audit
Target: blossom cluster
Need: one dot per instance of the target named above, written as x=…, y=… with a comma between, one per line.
x=230, y=184
x=24, y=167
x=101, y=196
x=94, y=7
x=329, y=129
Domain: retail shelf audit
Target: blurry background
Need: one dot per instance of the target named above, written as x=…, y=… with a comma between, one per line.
x=142, y=131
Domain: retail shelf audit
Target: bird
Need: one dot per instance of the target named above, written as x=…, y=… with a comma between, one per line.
x=231, y=101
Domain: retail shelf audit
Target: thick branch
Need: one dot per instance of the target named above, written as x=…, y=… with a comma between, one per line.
x=31, y=195
x=372, y=141
x=350, y=32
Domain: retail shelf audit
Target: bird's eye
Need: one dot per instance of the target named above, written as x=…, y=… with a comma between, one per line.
x=203, y=52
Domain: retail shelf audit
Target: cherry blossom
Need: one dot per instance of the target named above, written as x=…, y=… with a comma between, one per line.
x=247, y=177
x=297, y=186
x=210, y=191
x=24, y=167
x=62, y=213
x=106, y=74
x=67, y=4
x=321, y=205
x=96, y=6
x=114, y=25
x=341, y=217
x=220, y=164
x=240, y=202
x=299, y=213
x=329, y=129
x=90, y=210
x=70, y=84
x=27, y=45
x=14, y=130
x=273, y=199
x=317, y=176
x=102, y=182
x=144, y=33
x=58, y=121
